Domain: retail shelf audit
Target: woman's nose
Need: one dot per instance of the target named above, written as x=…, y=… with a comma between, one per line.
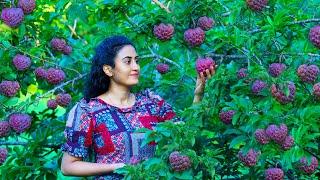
x=134, y=65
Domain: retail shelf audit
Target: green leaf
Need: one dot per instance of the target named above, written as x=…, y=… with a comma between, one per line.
x=237, y=141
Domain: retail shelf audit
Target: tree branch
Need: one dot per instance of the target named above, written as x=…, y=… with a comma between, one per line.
x=289, y=24
x=154, y=55
x=62, y=85
x=19, y=143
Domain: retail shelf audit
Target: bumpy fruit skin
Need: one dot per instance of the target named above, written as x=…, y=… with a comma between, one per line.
x=20, y=122
x=179, y=162
x=3, y=155
x=275, y=69
x=58, y=44
x=55, y=76
x=279, y=94
x=249, y=159
x=194, y=37
x=163, y=31
x=274, y=174
x=205, y=23
x=316, y=90
x=308, y=168
x=9, y=88
x=12, y=17
x=258, y=86
x=202, y=64
x=40, y=73
x=67, y=50
x=63, y=99
x=308, y=74
x=226, y=116
x=278, y=134
x=162, y=68
x=242, y=73
x=52, y=104
x=21, y=62
x=314, y=36
x=257, y=5
x=4, y=128
x=261, y=136
x=287, y=143
x=27, y=5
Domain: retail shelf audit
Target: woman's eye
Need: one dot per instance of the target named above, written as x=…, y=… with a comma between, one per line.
x=137, y=61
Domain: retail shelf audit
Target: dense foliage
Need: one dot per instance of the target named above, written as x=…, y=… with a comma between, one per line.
x=259, y=117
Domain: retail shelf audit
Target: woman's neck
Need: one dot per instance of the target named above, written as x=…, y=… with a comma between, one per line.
x=119, y=96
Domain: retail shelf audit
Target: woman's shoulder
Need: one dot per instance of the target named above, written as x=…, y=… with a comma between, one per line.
x=86, y=106
x=149, y=94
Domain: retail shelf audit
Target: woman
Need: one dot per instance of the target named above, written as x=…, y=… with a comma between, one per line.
x=104, y=120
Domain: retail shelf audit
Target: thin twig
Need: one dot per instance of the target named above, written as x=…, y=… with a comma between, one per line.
x=73, y=29
x=61, y=86
x=256, y=30
x=305, y=21
x=166, y=8
x=53, y=90
x=163, y=58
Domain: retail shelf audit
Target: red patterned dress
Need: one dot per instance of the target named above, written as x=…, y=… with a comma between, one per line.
x=108, y=131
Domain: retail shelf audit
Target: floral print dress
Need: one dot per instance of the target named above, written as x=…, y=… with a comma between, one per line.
x=108, y=131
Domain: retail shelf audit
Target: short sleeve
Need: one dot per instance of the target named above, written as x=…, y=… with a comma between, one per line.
x=164, y=109
x=78, y=131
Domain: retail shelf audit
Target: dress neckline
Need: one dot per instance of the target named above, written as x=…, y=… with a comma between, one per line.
x=122, y=109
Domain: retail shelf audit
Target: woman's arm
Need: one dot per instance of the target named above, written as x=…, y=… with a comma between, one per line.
x=201, y=82
x=74, y=166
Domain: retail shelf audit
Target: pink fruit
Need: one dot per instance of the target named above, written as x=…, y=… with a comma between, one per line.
x=4, y=128
x=274, y=174
x=21, y=62
x=257, y=5
x=261, y=136
x=242, y=73
x=40, y=73
x=202, y=64
x=314, y=36
x=20, y=122
x=12, y=17
x=63, y=99
x=249, y=159
x=205, y=23
x=308, y=168
x=308, y=73
x=27, y=5
x=52, y=104
x=55, y=76
x=162, y=68
x=9, y=88
x=3, y=155
x=194, y=37
x=163, y=31
x=279, y=94
x=179, y=162
x=226, y=116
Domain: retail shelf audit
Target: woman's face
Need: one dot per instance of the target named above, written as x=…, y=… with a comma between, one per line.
x=127, y=70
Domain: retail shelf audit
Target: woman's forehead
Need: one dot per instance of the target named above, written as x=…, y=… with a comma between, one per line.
x=127, y=50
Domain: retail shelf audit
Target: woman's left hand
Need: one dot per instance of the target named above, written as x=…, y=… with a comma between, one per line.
x=201, y=80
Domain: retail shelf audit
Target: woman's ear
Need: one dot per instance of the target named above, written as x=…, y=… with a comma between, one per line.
x=107, y=70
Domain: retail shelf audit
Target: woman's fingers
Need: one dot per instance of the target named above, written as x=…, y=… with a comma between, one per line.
x=208, y=72
x=202, y=77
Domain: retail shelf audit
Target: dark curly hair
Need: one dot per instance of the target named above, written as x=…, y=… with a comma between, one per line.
x=98, y=82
